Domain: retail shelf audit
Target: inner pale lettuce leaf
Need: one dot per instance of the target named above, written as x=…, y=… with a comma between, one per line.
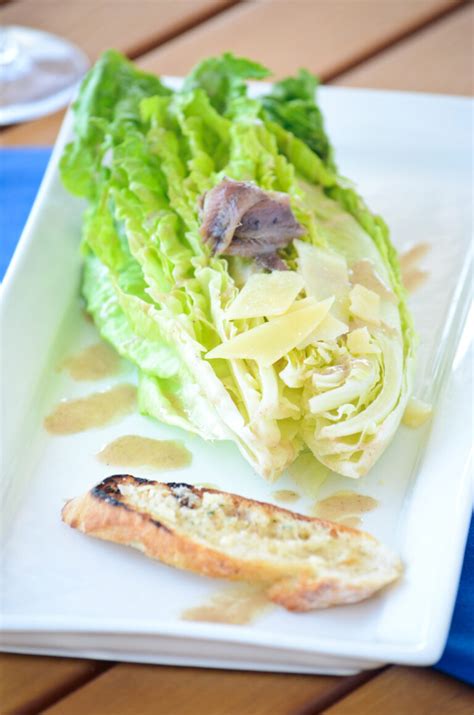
x=320, y=374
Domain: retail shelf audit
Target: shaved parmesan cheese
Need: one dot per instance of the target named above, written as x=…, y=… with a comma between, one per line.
x=325, y=274
x=360, y=342
x=266, y=294
x=269, y=342
x=416, y=413
x=303, y=303
x=365, y=304
x=329, y=328
x=364, y=273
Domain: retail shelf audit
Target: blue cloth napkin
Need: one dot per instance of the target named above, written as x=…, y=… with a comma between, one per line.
x=458, y=656
x=21, y=171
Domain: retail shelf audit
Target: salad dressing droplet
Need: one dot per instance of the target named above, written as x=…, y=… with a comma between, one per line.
x=410, y=258
x=353, y=521
x=342, y=505
x=412, y=276
x=93, y=363
x=96, y=410
x=286, y=495
x=136, y=451
x=239, y=605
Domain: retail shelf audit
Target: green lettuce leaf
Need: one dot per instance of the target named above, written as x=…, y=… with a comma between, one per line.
x=108, y=103
x=292, y=105
x=223, y=78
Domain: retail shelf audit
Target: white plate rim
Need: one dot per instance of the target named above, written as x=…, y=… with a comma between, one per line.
x=423, y=652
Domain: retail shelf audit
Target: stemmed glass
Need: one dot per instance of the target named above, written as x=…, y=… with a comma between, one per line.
x=38, y=73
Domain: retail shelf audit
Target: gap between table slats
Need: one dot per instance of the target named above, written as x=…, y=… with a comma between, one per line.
x=408, y=690
x=29, y=684
x=128, y=689
x=449, y=40
x=411, y=32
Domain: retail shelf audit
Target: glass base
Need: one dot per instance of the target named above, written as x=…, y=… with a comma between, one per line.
x=39, y=73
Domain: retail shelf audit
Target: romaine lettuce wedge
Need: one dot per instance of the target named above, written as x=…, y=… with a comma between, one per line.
x=332, y=367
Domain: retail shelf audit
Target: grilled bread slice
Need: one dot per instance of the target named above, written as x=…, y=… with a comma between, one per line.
x=303, y=563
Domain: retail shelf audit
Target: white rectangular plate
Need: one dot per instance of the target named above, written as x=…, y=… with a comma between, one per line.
x=64, y=593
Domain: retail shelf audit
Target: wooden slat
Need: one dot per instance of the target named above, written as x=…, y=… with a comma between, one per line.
x=323, y=35
x=41, y=132
x=408, y=690
x=133, y=26
x=130, y=689
x=29, y=683
x=436, y=59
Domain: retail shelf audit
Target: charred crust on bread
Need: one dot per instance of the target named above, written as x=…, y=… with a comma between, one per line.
x=108, y=490
x=110, y=485
x=159, y=525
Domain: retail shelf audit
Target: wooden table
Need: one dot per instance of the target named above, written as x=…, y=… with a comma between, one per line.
x=420, y=45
